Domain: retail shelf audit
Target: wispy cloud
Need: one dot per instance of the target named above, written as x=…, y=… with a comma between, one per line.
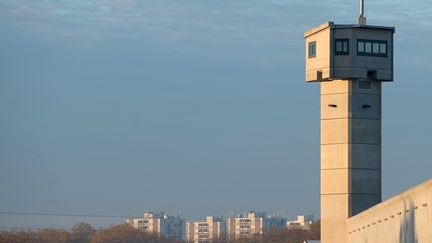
x=91, y=21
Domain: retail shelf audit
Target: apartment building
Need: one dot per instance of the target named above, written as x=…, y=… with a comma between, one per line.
x=161, y=224
x=302, y=222
x=202, y=231
x=252, y=223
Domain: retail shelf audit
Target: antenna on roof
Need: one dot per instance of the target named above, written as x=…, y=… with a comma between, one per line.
x=362, y=18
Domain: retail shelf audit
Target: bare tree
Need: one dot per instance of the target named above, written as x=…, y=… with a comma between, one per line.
x=81, y=233
x=315, y=230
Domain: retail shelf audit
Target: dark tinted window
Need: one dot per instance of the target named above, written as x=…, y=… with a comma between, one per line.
x=312, y=49
x=342, y=46
x=376, y=48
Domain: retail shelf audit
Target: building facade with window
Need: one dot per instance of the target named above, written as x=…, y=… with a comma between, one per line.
x=302, y=222
x=252, y=223
x=203, y=231
x=347, y=52
x=247, y=224
x=161, y=224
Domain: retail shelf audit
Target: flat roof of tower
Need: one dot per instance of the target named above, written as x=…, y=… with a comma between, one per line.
x=344, y=26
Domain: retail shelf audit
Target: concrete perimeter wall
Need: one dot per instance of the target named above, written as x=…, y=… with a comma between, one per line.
x=404, y=218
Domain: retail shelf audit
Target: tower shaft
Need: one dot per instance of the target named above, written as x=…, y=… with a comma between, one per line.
x=350, y=153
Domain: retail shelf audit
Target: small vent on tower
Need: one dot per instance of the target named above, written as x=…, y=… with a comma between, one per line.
x=372, y=74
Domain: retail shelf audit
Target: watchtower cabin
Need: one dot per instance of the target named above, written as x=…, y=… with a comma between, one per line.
x=346, y=52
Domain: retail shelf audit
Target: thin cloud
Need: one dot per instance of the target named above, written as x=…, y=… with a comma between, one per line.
x=92, y=21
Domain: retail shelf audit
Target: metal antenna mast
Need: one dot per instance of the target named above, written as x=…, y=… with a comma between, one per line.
x=362, y=18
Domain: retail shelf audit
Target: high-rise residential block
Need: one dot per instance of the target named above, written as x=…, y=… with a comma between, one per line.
x=161, y=224
x=251, y=223
x=201, y=231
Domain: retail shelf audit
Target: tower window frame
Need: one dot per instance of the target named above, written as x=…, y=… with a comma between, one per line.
x=374, y=48
x=312, y=49
x=341, y=46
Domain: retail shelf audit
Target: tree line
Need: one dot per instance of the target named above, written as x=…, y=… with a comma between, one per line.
x=123, y=233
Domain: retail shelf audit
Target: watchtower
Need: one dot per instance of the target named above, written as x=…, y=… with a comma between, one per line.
x=350, y=62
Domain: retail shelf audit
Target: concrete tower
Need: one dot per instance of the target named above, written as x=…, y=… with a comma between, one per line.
x=350, y=62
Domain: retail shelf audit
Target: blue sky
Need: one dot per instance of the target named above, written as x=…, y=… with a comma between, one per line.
x=115, y=107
